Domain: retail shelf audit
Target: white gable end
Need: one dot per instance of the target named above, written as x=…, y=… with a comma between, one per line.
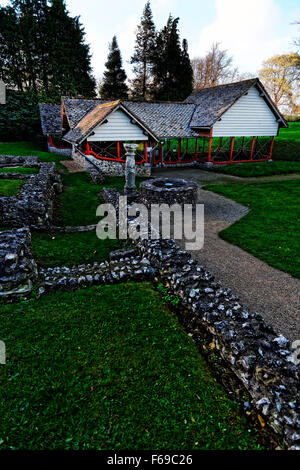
x=117, y=128
x=249, y=116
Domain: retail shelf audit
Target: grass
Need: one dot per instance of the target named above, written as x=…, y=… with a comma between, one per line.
x=31, y=149
x=287, y=145
x=78, y=203
x=291, y=133
x=248, y=170
x=109, y=368
x=23, y=171
x=270, y=231
x=51, y=250
x=10, y=187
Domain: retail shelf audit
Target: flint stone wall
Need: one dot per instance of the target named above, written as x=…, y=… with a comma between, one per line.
x=10, y=161
x=33, y=206
x=67, y=152
x=152, y=194
x=18, y=270
x=110, y=168
x=123, y=267
x=262, y=361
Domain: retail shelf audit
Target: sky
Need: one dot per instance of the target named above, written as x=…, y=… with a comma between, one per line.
x=251, y=30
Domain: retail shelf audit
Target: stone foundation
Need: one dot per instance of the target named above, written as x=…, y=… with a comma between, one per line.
x=110, y=168
x=65, y=152
x=33, y=206
x=18, y=271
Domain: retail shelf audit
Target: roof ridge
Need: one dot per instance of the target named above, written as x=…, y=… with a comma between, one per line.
x=256, y=79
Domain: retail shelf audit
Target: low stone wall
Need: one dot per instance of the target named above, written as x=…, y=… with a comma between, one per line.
x=18, y=270
x=110, y=168
x=33, y=206
x=10, y=161
x=262, y=361
x=122, y=268
x=66, y=152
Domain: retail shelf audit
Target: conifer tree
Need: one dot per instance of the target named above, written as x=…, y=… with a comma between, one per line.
x=42, y=49
x=114, y=78
x=172, y=68
x=143, y=54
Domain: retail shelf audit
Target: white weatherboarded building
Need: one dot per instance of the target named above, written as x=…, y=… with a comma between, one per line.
x=232, y=123
x=249, y=116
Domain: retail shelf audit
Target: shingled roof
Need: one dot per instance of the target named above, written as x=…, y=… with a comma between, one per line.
x=213, y=102
x=50, y=119
x=86, y=125
x=166, y=120
x=162, y=120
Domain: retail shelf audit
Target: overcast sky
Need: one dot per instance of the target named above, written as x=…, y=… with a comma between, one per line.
x=251, y=30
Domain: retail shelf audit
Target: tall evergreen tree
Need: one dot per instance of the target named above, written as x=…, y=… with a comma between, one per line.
x=186, y=72
x=42, y=49
x=114, y=80
x=70, y=60
x=143, y=54
x=172, y=68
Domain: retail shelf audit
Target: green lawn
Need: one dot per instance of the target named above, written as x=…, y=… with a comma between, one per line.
x=287, y=145
x=78, y=203
x=23, y=171
x=248, y=170
x=71, y=249
x=10, y=187
x=31, y=149
x=291, y=133
x=270, y=231
x=109, y=368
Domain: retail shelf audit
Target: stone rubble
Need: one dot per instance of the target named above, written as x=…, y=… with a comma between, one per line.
x=33, y=206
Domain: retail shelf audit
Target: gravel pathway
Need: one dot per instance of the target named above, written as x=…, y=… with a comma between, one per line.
x=72, y=166
x=261, y=288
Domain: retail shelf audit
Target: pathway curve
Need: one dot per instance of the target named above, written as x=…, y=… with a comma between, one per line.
x=260, y=288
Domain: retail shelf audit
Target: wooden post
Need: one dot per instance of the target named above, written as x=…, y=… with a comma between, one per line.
x=179, y=149
x=196, y=148
x=271, y=150
x=87, y=151
x=209, y=150
x=231, y=149
x=146, y=152
x=252, y=148
x=118, y=150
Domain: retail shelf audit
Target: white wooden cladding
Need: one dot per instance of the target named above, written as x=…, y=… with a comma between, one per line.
x=249, y=116
x=117, y=128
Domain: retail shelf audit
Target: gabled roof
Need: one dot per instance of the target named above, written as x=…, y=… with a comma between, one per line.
x=88, y=123
x=167, y=120
x=77, y=108
x=162, y=120
x=97, y=114
x=50, y=119
x=213, y=102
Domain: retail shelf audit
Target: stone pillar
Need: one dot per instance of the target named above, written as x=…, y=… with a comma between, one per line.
x=130, y=168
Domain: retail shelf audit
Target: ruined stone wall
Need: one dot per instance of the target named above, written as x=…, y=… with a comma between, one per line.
x=18, y=270
x=263, y=361
x=10, y=161
x=110, y=168
x=67, y=152
x=33, y=206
